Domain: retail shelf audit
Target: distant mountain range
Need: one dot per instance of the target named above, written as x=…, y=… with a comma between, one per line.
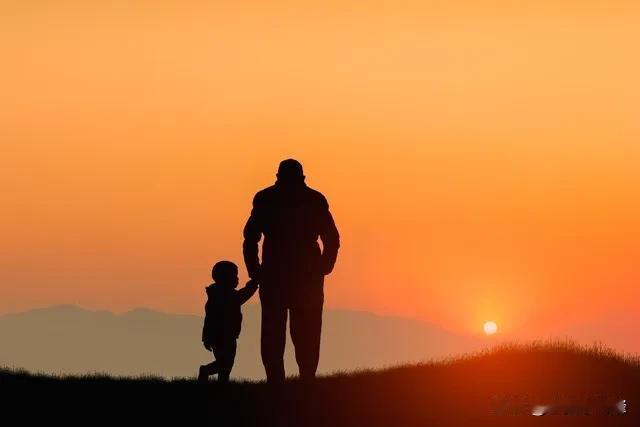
x=70, y=340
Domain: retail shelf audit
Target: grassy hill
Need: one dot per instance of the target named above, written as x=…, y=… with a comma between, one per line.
x=571, y=385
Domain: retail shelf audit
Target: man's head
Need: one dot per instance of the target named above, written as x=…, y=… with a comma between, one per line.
x=225, y=273
x=290, y=171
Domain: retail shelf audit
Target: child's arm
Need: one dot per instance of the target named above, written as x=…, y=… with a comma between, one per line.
x=206, y=333
x=247, y=292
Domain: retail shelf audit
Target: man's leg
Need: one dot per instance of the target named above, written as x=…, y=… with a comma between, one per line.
x=306, y=327
x=273, y=338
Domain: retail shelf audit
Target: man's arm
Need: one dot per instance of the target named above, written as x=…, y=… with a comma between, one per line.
x=330, y=239
x=252, y=235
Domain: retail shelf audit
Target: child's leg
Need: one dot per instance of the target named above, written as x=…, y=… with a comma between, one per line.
x=207, y=370
x=225, y=356
x=210, y=369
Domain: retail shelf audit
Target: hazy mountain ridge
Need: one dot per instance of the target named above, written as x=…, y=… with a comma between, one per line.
x=71, y=340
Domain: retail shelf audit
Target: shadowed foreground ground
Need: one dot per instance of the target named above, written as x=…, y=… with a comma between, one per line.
x=570, y=384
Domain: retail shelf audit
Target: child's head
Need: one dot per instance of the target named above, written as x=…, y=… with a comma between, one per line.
x=225, y=273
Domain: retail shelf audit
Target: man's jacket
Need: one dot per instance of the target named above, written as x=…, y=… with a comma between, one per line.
x=291, y=218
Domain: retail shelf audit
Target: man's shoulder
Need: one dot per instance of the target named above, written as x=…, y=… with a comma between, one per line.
x=316, y=196
x=265, y=193
x=267, y=190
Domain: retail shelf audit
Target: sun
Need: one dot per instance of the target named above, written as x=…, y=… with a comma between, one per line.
x=490, y=328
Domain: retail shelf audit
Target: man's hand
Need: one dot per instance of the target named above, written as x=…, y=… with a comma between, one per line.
x=256, y=274
x=252, y=283
x=325, y=267
x=207, y=346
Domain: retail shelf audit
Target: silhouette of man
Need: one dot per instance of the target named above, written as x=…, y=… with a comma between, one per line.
x=291, y=216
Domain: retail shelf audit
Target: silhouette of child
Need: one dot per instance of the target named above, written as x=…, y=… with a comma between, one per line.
x=223, y=319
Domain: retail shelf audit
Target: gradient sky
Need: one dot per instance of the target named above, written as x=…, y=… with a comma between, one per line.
x=482, y=160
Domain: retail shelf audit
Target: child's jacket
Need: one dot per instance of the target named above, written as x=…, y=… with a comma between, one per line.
x=223, y=319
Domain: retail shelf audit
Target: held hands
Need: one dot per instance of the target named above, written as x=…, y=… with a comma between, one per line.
x=255, y=275
x=252, y=283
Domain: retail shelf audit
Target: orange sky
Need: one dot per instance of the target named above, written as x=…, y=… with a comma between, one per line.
x=481, y=160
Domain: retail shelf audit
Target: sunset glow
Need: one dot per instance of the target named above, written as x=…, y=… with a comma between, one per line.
x=480, y=162
x=490, y=328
